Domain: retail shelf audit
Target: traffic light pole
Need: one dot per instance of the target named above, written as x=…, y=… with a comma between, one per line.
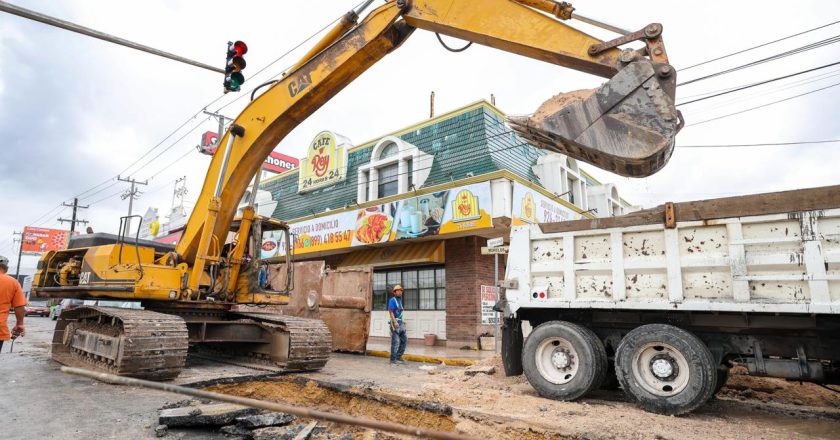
x=73, y=220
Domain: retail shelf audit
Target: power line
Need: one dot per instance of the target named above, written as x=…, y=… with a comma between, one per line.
x=113, y=178
x=778, y=56
x=756, y=47
x=763, y=105
x=739, y=88
x=767, y=144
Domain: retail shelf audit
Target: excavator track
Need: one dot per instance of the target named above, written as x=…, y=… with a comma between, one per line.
x=127, y=342
x=309, y=341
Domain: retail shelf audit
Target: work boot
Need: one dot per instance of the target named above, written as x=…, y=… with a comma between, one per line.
x=400, y=361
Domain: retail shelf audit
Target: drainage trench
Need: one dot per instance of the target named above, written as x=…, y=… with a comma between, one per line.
x=367, y=402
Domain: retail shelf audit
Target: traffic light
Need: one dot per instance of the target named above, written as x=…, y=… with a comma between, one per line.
x=234, y=65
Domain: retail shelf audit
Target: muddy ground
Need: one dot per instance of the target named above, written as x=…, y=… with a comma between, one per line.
x=38, y=401
x=495, y=406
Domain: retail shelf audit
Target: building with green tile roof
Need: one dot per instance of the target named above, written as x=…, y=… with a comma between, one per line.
x=470, y=141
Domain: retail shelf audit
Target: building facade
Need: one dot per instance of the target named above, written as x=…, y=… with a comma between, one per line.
x=419, y=204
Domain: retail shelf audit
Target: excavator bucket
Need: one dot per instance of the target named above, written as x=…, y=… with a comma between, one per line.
x=627, y=126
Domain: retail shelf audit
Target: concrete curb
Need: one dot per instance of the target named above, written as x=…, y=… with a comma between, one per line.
x=427, y=359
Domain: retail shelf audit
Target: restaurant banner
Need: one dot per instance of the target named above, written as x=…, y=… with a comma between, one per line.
x=36, y=241
x=530, y=206
x=463, y=208
x=325, y=163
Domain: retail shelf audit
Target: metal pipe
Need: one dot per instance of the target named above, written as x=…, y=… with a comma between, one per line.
x=271, y=406
x=72, y=27
x=253, y=197
x=225, y=161
x=599, y=24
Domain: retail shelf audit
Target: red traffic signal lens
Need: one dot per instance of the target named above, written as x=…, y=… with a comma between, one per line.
x=240, y=48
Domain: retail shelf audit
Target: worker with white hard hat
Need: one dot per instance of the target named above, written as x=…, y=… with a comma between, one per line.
x=11, y=296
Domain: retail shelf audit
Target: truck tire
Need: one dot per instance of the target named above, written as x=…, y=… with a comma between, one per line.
x=564, y=361
x=665, y=369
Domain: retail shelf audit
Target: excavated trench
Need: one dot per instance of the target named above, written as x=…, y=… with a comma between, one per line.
x=365, y=402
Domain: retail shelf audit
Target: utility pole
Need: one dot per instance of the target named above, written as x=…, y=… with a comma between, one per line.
x=179, y=191
x=221, y=118
x=73, y=219
x=131, y=194
x=20, y=250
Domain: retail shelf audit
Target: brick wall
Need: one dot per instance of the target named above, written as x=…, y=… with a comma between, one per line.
x=466, y=271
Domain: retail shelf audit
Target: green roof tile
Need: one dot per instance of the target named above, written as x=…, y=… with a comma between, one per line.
x=475, y=141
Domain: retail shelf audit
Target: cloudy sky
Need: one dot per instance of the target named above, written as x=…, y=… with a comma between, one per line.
x=75, y=111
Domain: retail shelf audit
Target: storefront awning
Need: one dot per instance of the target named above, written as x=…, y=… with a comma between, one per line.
x=415, y=253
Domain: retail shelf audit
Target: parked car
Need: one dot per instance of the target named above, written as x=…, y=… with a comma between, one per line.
x=37, y=308
x=65, y=304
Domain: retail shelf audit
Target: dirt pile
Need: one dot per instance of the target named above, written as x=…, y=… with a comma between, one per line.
x=779, y=391
x=557, y=102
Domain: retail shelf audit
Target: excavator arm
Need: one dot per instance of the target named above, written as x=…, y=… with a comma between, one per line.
x=627, y=126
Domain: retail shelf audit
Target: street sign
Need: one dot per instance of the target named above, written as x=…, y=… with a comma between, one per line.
x=501, y=250
x=495, y=242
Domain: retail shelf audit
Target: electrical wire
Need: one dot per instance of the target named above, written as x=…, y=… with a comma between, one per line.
x=798, y=50
x=763, y=105
x=768, y=144
x=758, y=46
x=756, y=84
x=182, y=125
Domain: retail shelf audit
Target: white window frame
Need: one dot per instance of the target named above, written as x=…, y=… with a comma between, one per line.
x=368, y=188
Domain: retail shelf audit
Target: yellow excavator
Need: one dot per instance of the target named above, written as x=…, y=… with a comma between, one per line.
x=190, y=293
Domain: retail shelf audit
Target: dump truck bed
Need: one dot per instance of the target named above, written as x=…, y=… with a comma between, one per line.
x=774, y=252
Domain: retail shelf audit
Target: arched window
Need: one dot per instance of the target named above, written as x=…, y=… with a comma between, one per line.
x=395, y=167
x=389, y=150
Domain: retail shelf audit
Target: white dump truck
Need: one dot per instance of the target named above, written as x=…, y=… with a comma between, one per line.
x=668, y=298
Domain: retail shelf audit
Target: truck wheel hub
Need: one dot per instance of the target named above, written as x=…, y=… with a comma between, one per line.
x=561, y=359
x=662, y=368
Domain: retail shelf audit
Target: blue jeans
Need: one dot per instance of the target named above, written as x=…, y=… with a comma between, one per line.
x=398, y=341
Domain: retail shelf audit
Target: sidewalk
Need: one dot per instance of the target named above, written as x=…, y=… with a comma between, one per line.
x=416, y=351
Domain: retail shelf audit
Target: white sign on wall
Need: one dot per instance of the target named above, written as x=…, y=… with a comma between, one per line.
x=489, y=295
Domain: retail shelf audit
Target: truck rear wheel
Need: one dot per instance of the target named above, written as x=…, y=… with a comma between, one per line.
x=667, y=370
x=564, y=361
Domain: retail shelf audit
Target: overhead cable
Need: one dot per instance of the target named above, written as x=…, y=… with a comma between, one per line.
x=758, y=46
x=775, y=57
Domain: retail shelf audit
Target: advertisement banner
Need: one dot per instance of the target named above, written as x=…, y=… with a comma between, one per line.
x=36, y=241
x=325, y=163
x=279, y=163
x=459, y=209
x=530, y=206
x=489, y=295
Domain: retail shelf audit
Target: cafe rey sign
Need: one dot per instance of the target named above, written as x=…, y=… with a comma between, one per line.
x=325, y=163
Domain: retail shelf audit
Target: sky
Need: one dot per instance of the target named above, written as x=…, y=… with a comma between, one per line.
x=75, y=111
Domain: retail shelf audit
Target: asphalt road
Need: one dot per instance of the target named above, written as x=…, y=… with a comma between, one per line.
x=37, y=401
